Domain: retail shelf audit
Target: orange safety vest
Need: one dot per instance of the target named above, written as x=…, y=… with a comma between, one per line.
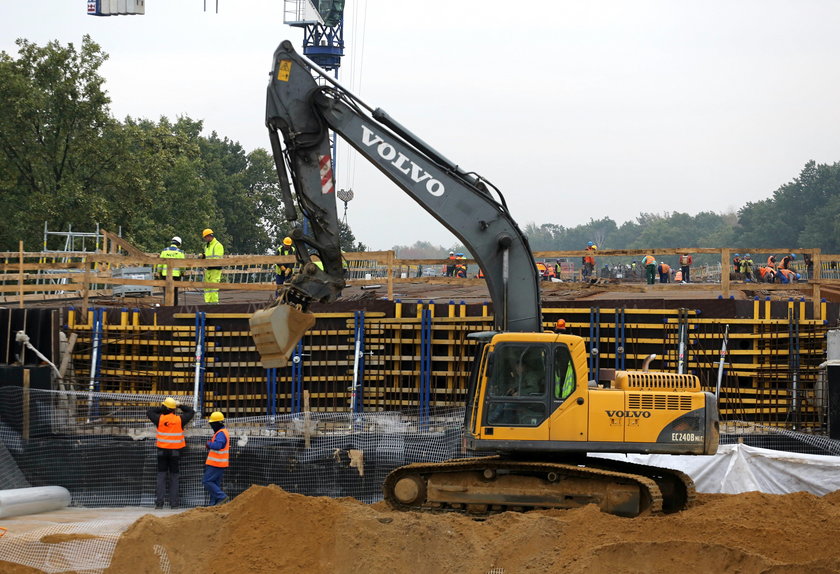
x=649, y=260
x=220, y=458
x=170, y=432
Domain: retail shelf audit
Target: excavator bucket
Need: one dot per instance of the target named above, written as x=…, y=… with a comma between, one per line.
x=276, y=331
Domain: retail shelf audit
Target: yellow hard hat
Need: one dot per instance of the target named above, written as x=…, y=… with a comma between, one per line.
x=287, y=241
x=169, y=403
x=207, y=232
x=216, y=417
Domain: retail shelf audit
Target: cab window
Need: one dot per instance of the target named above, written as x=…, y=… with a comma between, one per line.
x=517, y=391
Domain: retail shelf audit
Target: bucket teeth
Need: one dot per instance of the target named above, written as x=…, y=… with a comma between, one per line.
x=276, y=332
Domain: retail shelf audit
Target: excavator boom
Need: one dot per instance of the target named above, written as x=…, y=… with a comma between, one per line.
x=303, y=111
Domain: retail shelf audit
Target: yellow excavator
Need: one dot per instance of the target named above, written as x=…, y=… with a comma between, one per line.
x=534, y=421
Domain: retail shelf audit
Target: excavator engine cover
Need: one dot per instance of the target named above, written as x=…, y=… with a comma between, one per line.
x=276, y=331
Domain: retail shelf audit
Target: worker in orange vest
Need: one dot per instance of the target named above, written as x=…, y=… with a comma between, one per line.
x=449, y=268
x=664, y=272
x=771, y=262
x=218, y=459
x=786, y=260
x=767, y=274
x=589, y=261
x=787, y=275
x=170, y=443
x=460, y=266
x=650, y=269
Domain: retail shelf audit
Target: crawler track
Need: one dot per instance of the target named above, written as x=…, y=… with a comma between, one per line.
x=488, y=485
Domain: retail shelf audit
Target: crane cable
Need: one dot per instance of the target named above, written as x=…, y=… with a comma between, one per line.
x=356, y=65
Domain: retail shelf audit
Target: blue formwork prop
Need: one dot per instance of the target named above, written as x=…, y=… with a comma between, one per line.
x=358, y=383
x=425, y=368
x=297, y=379
x=271, y=391
x=620, y=340
x=200, y=356
x=594, y=342
x=96, y=350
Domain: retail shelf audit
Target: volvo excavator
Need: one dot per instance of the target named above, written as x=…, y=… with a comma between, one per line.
x=533, y=418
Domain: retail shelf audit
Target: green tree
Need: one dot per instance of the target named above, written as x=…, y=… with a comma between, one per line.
x=158, y=190
x=801, y=213
x=348, y=240
x=54, y=126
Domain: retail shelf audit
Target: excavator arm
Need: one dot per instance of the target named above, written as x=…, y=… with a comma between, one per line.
x=303, y=105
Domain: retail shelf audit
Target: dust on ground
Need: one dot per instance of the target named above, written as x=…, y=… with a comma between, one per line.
x=266, y=529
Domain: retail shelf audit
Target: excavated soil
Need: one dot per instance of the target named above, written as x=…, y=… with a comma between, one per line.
x=269, y=530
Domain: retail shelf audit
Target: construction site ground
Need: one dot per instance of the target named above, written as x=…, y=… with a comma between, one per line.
x=267, y=530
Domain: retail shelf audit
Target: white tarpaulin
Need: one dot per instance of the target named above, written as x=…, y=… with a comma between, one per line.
x=740, y=468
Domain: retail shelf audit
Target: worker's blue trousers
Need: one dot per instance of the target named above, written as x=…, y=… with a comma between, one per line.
x=212, y=481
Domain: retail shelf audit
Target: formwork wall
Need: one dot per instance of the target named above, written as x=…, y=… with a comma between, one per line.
x=417, y=356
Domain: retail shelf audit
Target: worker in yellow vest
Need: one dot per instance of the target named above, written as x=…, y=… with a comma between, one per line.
x=171, y=252
x=213, y=249
x=283, y=271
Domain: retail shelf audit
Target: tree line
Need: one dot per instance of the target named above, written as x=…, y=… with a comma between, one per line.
x=65, y=160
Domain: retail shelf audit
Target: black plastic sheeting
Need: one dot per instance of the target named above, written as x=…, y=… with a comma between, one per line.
x=41, y=325
x=111, y=471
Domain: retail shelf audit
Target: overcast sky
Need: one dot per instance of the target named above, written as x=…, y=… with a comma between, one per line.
x=574, y=109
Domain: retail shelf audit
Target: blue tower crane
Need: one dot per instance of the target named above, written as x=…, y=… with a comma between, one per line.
x=323, y=30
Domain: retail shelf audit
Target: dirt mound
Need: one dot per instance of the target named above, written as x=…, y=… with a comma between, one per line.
x=269, y=530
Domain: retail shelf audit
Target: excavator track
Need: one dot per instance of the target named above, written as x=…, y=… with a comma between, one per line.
x=483, y=486
x=678, y=492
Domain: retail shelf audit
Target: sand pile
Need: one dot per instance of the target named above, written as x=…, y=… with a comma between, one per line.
x=268, y=530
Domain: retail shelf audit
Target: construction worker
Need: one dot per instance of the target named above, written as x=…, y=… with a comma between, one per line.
x=541, y=270
x=212, y=250
x=589, y=261
x=664, y=272
x=171, y=252
x=218, y=459
x=747, y=268
x=460, y=265
x=282, y=271
x=786, y=275
x=767, y=274
x=685, y=267
x=786, y=260
x=650, y=269
x=449, y=268
x=771, y=262
x=170, y=442
x=736, y=265
x=809, y=266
